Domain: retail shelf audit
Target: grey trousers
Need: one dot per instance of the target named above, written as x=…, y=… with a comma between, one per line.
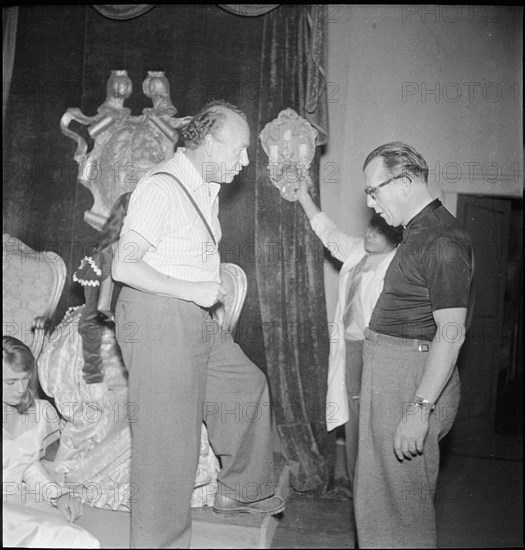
x=182, y=370
x=394, y=501
x=354, y=370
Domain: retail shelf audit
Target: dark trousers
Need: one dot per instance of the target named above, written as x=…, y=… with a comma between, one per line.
x=354, y=370
x=184, y=370
x=394, y=501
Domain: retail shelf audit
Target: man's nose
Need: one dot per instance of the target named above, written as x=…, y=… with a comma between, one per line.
x=370, y=201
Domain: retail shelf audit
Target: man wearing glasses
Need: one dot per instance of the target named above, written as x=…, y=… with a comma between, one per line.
x=410, y=385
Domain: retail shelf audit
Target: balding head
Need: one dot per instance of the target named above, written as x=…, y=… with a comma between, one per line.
x=211, y=120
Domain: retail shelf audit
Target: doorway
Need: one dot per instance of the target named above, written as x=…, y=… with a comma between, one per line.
x=491, y=362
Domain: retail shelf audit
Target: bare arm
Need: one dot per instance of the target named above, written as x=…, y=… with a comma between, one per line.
x=442, y=358
x=444, y=352
x=129, y=268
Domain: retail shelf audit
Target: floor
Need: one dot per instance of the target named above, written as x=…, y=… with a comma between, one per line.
x=479, y=503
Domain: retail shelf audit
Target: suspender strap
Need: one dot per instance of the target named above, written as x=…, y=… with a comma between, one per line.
x=192, y=201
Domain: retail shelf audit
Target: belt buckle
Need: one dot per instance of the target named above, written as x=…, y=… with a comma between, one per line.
x=423, y=347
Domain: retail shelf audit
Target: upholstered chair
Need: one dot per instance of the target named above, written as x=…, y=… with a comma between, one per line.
x=32, y=285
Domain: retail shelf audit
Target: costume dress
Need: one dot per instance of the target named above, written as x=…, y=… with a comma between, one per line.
x=95, y=444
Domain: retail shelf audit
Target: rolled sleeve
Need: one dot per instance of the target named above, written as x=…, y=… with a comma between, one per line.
x=147, y=212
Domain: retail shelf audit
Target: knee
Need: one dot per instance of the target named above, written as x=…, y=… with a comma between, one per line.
x=258, y=382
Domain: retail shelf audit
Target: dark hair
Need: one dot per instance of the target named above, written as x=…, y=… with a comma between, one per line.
x=400, y=157
x=20, y=358
x=393, y=234
x=209, y=120
x=113, y=225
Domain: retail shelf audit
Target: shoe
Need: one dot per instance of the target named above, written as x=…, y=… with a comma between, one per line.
x=269, y=506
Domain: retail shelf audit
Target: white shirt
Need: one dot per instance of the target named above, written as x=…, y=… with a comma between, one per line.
x=365, y=298
x=160, y=211
x=350, y=250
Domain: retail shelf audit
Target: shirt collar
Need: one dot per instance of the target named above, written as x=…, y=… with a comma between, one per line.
x=194, y=177
x=418, y=218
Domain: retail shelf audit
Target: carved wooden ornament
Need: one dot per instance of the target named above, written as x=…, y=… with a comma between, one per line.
x=125, y=147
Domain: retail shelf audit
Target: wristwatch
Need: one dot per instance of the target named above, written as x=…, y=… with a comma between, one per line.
x=424, y=403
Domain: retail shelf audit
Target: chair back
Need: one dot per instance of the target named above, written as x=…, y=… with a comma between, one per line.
x=229, y=310
x=32, y=285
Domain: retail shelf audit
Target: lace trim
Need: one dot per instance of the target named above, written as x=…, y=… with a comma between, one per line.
x=87, y=262
x=92, y=263
x=85, y=282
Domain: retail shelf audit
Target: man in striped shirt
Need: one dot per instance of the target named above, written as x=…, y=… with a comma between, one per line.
x=179, y=373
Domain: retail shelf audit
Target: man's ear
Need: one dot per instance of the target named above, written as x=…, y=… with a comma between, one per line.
x=209, y=144
x=406, y=185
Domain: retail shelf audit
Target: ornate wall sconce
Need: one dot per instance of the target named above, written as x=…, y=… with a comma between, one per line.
x=289, y=142
x=125, y=147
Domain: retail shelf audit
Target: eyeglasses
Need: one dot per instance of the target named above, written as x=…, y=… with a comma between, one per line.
x=371, y=191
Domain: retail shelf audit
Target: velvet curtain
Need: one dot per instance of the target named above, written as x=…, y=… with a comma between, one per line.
x=290, y=269
x=9, y=22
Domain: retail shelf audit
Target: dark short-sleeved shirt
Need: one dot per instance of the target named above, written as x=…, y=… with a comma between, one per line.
x=432, y=270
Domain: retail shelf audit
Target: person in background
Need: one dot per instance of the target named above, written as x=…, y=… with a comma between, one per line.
x=365, y=262
x=38, y=512
x=91, y=273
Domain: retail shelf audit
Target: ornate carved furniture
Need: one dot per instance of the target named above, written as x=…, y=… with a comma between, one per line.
x=126, y=146
x=32, y=286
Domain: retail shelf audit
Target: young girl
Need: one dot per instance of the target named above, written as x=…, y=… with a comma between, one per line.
x=93, y=270
x=29, y=494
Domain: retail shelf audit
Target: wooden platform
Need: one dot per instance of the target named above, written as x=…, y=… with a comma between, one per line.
x=209, y=530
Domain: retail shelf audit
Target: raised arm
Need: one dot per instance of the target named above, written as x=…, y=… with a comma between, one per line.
x=305, y=200
x=340, y=245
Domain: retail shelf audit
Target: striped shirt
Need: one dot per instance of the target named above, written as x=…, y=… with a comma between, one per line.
x=160, y=211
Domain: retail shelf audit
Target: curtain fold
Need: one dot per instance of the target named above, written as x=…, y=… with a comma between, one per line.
x=314, y=41
x=9, y=24
x=290, y=272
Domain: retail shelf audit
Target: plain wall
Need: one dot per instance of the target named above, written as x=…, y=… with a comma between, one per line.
x=444, y=79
